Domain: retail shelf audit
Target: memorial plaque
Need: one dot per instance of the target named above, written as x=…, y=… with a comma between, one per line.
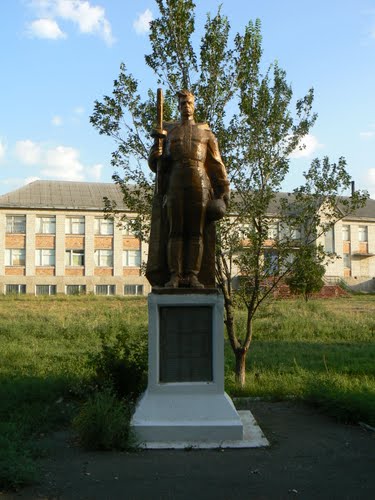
x=186, y=344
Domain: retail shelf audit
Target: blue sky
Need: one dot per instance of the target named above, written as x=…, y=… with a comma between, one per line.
x=58, y=56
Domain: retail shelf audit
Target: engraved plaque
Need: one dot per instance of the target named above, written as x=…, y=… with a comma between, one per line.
x=186, y=344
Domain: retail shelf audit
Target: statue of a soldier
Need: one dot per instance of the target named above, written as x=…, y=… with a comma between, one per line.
x=192, y=192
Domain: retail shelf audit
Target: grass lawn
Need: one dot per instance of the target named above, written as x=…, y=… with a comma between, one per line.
x=322, y=352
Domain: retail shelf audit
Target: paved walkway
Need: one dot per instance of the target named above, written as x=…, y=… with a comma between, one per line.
x=311, y=457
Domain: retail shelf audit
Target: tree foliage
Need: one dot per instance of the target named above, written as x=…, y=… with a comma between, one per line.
x=251, y=110
x=307, y=273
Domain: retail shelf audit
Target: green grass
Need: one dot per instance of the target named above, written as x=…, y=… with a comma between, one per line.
x=322, y=352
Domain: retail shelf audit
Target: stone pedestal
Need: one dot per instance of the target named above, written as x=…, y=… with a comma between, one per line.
x=185, y=400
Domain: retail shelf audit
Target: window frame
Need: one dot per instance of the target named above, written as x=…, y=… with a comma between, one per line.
x=99, y=255
x=21, y=289
x=126, y=258
x=345, y=229
x=138, y=288
x=74, y=252
x=51, y=289
x=9, y=257
x=81, y=290
x=42, y=224
x=109, y=288
x=363, y=230
x=40, y=255
x=71, y=222
x=100, y=223
x=12, y=223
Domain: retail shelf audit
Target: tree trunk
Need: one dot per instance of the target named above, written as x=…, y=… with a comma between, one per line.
x=240, y=370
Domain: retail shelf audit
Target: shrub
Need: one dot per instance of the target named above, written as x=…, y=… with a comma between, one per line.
x=103, y=423
x=122, y=361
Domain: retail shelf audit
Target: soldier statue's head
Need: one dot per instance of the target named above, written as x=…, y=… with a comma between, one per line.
x=185, y=104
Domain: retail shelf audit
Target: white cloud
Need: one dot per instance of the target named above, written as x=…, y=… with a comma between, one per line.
x=94, y=172
x=79, y=110
x=56, y=121
x=63, y=163
x=142, y=23
x=307, y=147
x=28, y=152
x=60, y=162
x=45, y=28
x=90, y=19
x=368, y=134
x=2, y=150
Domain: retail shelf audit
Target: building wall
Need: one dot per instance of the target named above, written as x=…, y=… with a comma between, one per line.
x=359, y=263
x=60, y=274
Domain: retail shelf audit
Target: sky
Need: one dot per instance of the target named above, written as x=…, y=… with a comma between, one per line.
x=59, y=56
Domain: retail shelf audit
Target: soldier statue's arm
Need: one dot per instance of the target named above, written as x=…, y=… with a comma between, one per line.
x=216, y=169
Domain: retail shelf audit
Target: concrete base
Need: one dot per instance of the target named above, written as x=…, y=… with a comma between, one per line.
x=253, y=437
x=186, y=417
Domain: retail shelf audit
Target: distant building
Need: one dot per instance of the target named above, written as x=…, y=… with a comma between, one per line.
x=54, y=238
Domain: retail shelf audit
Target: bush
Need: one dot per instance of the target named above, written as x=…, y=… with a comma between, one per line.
x=17, y=467
x=103, y=423
x=122, y=362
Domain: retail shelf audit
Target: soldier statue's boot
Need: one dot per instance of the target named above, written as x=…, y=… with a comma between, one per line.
x=193, y=281
x=193, y=263
x=174, y=281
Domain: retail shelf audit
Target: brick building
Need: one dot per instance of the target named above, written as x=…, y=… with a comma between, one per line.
x=54, y=239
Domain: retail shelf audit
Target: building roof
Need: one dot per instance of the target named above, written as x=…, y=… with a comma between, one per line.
x=63, y=195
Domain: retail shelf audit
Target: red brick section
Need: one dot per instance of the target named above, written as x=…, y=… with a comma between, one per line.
x=131, y=244
x=14, y=271
x=42, y=241
x=15, y=241
x=75, y=242
x=44, y=271
x=103, y=242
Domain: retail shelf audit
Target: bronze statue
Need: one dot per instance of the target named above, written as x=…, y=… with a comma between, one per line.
x=192, y=191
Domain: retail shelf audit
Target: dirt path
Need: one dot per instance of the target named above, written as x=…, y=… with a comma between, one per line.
x=311, y=457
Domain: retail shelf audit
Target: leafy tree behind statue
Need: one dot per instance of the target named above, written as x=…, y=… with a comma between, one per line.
x=249, y=109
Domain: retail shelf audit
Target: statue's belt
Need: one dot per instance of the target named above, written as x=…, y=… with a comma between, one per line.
x=188, y=164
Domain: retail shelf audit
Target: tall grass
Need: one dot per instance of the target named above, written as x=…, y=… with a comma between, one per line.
x=322, y=351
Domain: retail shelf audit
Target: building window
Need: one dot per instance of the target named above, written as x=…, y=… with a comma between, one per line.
x=15, y=289
x=131, y=258
x=105, y=290
x=295, y=234
x=271, y=262
x=46, y=225
x=74, y=257
x=75, y=289
x=16, y=224
x=329, y=241
x=15, y=257
x=103, y=258
x=45, y=257
x=133, y=290
x=346, y=260
x=345, y=233
x=273, y=231
x=45, y=290
x=74, y=225
x=127, y=228
x=362, y=233
x=103, y=226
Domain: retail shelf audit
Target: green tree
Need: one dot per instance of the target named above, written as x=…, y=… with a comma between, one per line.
x=250, y=109
x=307, y=273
